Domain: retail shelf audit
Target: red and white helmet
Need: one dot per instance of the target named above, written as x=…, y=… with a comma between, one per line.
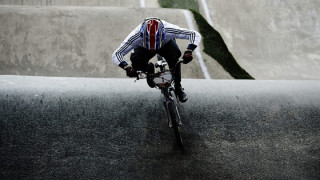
x=152, y=34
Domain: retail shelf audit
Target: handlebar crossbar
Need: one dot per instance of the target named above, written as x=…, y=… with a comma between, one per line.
x=159, y=64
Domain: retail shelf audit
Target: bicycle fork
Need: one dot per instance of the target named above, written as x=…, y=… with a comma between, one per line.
x=167, y=100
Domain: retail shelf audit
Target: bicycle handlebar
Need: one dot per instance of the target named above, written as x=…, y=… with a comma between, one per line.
x=179, y=62
x=143, y=75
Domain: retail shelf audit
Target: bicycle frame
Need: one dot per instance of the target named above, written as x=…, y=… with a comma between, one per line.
x=170, y=97
x=164, y=80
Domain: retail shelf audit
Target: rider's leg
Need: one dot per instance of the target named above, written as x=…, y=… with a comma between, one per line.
x=140, y=58
x=140, y=62
x=171, y=52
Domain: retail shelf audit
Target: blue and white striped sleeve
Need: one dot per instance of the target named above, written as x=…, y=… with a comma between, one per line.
x=174, y=31
x=126, y=46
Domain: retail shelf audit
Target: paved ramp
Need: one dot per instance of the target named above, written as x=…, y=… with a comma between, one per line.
x=77, y=41
x=114, y=128
x=271, y=39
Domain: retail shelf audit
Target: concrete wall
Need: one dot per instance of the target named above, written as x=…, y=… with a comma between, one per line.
x=65, y=41
x=117, y=129
x=76, y=41
x=117, y=3
x=271, y=39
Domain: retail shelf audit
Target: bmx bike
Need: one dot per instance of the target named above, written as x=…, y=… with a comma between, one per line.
x=164, y=81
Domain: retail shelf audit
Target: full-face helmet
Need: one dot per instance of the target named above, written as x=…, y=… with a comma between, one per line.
x=152, y=34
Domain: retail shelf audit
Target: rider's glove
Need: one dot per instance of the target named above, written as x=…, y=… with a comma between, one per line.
x=187, y=57
x=131, y=72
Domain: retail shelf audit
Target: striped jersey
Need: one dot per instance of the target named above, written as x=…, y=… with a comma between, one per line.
x=171, y=32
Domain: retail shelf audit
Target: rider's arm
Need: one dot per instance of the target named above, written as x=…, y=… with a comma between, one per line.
x=174, y=31
x=125, y=47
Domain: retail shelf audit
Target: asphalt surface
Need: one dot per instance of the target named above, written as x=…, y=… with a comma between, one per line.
x=86, y=128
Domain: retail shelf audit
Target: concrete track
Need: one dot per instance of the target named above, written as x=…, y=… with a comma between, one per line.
x=113, y=128
x=271, y=39
x=111, y=3
x=77, y=41
x=89, y=128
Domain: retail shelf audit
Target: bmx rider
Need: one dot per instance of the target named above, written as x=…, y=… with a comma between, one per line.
x=155, y=36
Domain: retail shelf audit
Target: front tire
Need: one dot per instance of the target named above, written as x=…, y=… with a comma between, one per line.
x=175, y=125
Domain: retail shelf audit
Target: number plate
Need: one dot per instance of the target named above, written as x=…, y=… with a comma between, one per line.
x=163, y=78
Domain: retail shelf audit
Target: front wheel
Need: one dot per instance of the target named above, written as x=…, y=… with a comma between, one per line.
x=172, y=112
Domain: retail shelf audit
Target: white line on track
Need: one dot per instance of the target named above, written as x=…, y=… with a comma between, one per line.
x=206, y=11
x=197, y=50
x=142, y=4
